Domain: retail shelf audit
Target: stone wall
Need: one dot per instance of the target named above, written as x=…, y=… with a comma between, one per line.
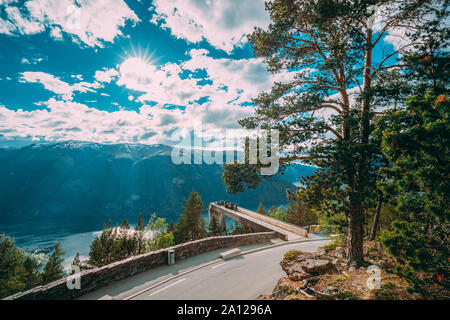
x=96, y=278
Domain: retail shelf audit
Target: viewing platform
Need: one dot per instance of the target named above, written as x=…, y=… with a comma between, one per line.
x=256, y=221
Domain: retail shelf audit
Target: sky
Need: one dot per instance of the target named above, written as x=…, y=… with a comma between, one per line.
x=116, y=71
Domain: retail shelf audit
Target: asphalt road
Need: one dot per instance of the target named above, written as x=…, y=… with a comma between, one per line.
x=244, y=277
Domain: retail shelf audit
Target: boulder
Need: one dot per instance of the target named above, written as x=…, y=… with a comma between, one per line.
x=282, y=289
x=340, y=252
x=315, y=266
x=295, y=270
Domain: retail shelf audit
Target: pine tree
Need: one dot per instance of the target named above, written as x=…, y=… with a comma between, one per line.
x=105, y=249
x=125, y=224
x=261, y=209
x=32, y=276
x=19, y=271
x=140, y=225
x=202, y=229
x=181, y=233
x=330, y=45
x=213, y=227
x=416, y=140
x=190, y=225
x=299, y=212
x=80, y=264
x=192, y=210
x=54, y=269
x=171, y=227
x=139, y=234
x=11, y=267
x=418, y=143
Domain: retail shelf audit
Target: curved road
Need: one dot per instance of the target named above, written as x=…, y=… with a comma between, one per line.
x=244, y=277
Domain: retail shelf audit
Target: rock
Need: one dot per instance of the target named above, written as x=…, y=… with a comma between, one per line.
x=298, y=297
x=282, y=289
x=264, y=297
x=340, y=252
x=330, y=290
x=316, y=266
x=294, y=270
x=312, y=281
x=320, y=252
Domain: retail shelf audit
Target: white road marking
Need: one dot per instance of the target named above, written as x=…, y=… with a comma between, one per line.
x=170, y=285
x=219, y=265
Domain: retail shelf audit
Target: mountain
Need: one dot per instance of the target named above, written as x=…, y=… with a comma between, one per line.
x=83, y=183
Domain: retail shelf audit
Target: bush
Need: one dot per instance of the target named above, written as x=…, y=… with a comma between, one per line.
x=335, y=242
x=292, y=254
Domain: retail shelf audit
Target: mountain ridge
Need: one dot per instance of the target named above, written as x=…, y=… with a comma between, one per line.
x=85, y=181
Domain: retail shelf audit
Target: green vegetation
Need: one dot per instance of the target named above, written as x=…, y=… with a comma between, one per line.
x=161, y=238
x=292, y=254
x=54, y=269
x=20, y=271
x=213, y=227
x=416, y=142
x=118, y=243
x=261, y=209
x=382, y=158
x=191, y=226
x=336, y=242
x=240, y=229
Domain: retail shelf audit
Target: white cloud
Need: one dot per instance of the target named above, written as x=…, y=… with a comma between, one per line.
x=227, y=80
x=6, y=27
x=31, y=60
x=106, y=75
x=23, y=25
x=66, y=120
x=244, y=78
x=91, y=22
x=162, y=85
x=56, y=85
x=7, y=1
x=56, y=33
x=223, y=23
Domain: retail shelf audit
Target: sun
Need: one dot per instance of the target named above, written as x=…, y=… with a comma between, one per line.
x=136, y=65
x=139, y=55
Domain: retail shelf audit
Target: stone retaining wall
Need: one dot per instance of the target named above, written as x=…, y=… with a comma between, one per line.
x=96, y=278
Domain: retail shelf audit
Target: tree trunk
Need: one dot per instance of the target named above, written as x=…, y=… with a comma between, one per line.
x=355, y=252
x=376, y=219
x=367, y=84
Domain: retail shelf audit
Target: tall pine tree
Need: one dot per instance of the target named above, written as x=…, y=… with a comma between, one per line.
x=54, y=269
x=324, y=111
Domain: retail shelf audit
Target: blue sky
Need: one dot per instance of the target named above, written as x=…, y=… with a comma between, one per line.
x=115, y=71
